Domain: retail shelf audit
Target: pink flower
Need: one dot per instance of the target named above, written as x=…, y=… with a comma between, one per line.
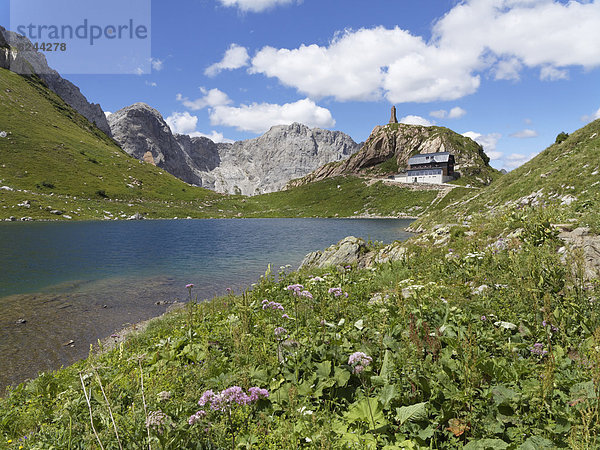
x=359, y=362
x=189, y=286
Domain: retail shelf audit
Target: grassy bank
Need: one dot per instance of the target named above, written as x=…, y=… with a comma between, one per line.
x=479, y=338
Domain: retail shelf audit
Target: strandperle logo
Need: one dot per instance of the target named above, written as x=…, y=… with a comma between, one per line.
x=87, y=37
x=85, y=31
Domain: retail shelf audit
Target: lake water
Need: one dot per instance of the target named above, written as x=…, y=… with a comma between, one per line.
x=82, y=281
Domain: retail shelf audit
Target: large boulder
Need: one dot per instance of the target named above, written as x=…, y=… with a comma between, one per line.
x=583, y=239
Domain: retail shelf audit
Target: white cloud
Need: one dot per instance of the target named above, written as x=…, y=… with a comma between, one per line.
x=525, y=134
x=182, y=123
x=415, y=120
x=507, y=69
x=488, y=142
x=157, y=64
x=211, y=98
x=515, y=160
x=550, y=73
x=213, y=136
x=439, y=114
x=151, y=84
x=475, y=37
x=234, y=58
x=455, y=113
x=254, y=5
x=591, y=117
x=259, y=117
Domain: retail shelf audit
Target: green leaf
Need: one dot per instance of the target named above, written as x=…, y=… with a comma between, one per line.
x=341, y=376
x=411, y=413
x=324, y=369
x=387, y=394
x=502, y=394
x=486, y=444
x=368, y=410
x=386, y=366
x=536, y=443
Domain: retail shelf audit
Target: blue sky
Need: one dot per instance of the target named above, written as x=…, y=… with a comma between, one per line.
x=510, y=73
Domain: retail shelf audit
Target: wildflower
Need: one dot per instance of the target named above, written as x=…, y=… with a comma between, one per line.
x=337, y=291
x=272, y=305
x=157, y=420
x=196, y=416
x=235, y=394
x=209, y=397
x=359, y=362
x=280, y=331
x=189, y=286
x=538, y=349
x=483, y=318
x=295, y=287
x=316, y=280
x=306, y=294
x=285, y=316
x=226, y=399
x=257, y=393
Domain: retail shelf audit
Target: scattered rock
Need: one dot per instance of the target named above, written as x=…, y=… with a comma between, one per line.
x=21, y=321
x=56, y=212
x=3, y=134
x=70, y=343
x=136, y=216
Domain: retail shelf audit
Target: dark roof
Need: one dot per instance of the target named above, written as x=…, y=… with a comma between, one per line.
x=426, y=158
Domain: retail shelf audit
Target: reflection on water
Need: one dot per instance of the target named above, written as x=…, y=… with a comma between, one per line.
x=73, y=283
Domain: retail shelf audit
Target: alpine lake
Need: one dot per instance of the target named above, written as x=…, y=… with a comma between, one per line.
x=64, y=286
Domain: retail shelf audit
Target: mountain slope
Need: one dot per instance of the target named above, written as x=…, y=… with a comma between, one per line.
x=565, y=178
x=389, y=147
x=250, y=167
x=51, y=150
x=18, y=55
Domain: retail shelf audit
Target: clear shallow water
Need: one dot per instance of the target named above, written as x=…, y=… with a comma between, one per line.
x=81, y=281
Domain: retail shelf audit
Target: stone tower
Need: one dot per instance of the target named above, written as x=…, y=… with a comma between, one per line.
x=393, y=119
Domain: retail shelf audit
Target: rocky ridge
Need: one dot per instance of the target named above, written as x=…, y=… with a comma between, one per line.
x=393, y=144
x=18, y=55
x=250, y=167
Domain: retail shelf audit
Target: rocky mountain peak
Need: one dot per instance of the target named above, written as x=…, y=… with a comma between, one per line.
x=254, y=166
x=389, y=147
x=18, y=55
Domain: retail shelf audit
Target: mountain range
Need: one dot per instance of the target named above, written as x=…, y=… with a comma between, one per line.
x=250, y=167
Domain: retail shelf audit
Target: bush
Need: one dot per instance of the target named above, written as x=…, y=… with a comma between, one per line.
x=562, y=136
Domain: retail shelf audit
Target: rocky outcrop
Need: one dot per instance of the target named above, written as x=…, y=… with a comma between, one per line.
x=398, y=142
x=589, y=244
x=269, y=162
x=140, y=129
x=18, y=55
x=254, y=166
x=352, y=251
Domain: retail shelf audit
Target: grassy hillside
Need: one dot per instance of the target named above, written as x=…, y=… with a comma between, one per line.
x=334, y=197
x=565, y=178
x=51, y=151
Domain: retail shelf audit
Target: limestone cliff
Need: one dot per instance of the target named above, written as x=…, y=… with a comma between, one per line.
x=254, y=166
x=389, y=147
x=18, y=55
x=142, y=132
